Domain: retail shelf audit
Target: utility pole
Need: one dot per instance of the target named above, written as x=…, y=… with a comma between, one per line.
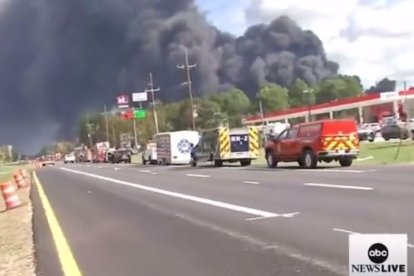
x=188, y=67
x=89, y=127
x=134, y=126
x=154, y=107
x=106, y=123
x=408, y=117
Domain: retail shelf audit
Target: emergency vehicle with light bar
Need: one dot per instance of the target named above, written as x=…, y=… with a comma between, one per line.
x=225, y=144
x=313, y=142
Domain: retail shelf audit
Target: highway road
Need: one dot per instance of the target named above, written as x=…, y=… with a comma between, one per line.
x=154, y=220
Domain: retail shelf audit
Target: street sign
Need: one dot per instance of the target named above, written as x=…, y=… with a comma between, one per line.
x=389, y=96
x=140, y=113
x=123, y=101
x=140, y=97
x=127, y=115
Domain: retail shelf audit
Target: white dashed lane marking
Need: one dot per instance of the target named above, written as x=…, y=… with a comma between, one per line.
x=251, y=182
x=198, y=175
x=323, y=185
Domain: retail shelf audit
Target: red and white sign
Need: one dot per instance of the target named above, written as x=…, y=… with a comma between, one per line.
x=122, y=100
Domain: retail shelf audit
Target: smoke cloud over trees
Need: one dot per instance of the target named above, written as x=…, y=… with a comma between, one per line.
x=59, y=58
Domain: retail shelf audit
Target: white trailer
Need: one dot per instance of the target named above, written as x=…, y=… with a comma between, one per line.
x=174, y=148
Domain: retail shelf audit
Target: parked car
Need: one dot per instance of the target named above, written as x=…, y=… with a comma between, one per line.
x=365, y=133
x=313, y=142
x=69, y=158
x=121, y=155
x=394, y=131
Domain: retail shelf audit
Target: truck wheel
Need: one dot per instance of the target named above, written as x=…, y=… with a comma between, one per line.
x=270, y=160
x=245, y=163
x=193, y=163
x=218, y=163
x=309, y=160
x=345, y=162
x=144, y=162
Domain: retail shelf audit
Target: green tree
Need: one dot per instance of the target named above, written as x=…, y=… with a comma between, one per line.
x=337, y=88
x=208, y=114
x=300, y=94
x=274, y=97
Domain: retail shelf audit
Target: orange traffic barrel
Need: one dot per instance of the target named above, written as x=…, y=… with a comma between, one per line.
x=20, y=181
x=9, y=192
x=26, y=176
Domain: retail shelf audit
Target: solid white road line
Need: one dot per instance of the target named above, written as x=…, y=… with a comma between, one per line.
x=206, y=201
x=331, y=170
x=344, y=231
x=339, y=186
x=351, y=232
x=198, y=175
x=252, y=182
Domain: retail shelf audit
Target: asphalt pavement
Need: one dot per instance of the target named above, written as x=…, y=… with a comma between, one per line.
x=178, y=220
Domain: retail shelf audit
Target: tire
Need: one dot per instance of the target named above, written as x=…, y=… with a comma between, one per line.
x=245, y=163
x=144, y=162
x=193, y=163
x=218, y=163
x=345, y=162
x=309, y=160
x=270, y=160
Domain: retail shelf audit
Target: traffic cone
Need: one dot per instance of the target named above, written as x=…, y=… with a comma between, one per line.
x=10, y=196
x=20, y=181
x=26, y=177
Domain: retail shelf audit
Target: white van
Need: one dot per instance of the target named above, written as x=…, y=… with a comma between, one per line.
x=174, y=148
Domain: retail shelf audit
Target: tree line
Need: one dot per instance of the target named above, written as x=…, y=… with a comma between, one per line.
x=226, y=107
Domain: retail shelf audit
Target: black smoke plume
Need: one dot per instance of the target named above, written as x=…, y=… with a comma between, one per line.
x=61, y=57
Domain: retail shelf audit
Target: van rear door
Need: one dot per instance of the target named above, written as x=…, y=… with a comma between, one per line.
x=340, y=135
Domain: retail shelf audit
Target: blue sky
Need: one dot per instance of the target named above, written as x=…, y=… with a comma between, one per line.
x=227, y=15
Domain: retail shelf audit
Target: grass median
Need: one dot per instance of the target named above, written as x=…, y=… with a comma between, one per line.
x=386, y=153
x=16, y=232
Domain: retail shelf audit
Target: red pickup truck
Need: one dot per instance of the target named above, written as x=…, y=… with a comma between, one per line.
x=313, y=142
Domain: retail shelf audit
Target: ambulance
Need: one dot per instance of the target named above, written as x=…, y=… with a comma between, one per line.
x=229, y=145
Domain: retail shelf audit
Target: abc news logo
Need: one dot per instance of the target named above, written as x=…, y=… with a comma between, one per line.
x=378, y=255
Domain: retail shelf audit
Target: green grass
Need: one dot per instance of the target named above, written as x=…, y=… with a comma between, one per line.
x=7, y=170
x=386, y=153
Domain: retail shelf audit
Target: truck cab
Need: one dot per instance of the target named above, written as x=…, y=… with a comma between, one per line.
x=313, y=142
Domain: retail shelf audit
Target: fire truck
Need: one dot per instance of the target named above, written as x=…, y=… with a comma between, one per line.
x=100, y=152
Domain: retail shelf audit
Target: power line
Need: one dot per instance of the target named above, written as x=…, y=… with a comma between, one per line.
x=188, y=68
